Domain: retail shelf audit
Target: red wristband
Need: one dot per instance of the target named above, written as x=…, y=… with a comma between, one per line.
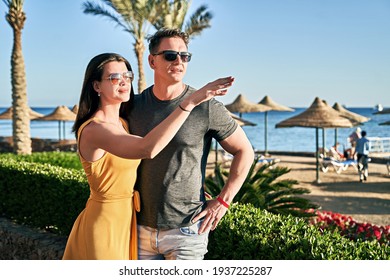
x=222, y=202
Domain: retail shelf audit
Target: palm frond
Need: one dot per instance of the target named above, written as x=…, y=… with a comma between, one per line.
x=7, y=3
x=198, y=21
x=212, y=188
x=100, y=10
x=14, y=4
x=178, y=13
x=170, y=14
x=291, y=201
x=264, y=190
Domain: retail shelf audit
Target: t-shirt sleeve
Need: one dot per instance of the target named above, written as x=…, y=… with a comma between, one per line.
x=221, y=125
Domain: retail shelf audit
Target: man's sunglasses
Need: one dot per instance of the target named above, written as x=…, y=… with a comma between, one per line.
x=115, y=78
x=172, y=55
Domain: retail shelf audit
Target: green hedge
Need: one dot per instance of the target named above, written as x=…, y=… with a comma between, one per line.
x=248, y=233
x=41, y=195
x=51, y=197
x=62, y=159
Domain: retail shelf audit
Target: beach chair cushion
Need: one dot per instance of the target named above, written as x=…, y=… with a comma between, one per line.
x=338, y=165
x=268, y=160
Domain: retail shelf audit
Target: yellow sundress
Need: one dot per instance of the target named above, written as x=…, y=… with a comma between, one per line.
x=106, y=229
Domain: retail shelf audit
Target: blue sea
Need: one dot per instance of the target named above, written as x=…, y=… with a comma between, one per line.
x=295, y=139
x=300, y=139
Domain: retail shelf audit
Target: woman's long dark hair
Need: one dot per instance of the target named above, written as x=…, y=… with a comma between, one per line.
x=89, y=99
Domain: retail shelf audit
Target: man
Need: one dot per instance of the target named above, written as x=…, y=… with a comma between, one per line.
x=362, y=150
x=353, y=137
x=175, y=219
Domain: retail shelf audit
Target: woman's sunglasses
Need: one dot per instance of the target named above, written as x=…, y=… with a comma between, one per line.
x=172, y=55
x=115, y=78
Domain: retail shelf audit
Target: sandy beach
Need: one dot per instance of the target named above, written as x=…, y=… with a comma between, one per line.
x=341, y=193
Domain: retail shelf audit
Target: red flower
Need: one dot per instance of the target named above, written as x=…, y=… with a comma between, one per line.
x=350, y=228
x=378, y=234
x=360, y=229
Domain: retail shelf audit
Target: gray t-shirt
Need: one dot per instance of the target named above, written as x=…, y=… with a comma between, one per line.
x=171, y=184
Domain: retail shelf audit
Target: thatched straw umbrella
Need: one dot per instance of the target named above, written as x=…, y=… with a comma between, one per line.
x=242, y=105
x=355, y=118
x=350, y=115
x=241, y=122
x=318, y=115
x=7, y=114
x=60, y=114
x=75, y=109
x=274, y=107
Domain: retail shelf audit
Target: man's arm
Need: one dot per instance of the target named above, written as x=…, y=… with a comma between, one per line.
x=239, y=146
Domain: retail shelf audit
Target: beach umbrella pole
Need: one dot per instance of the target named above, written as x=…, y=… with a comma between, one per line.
x=63, y=131
x=59, y=130
x=317, y=160
x=265, y=133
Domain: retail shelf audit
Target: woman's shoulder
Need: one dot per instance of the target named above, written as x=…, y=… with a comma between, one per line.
x=83, y=125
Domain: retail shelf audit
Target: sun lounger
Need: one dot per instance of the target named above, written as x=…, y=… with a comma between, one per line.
x=338, y=166
x=227, y=158
x=265, y=160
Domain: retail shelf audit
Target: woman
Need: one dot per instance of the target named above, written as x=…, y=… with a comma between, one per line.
x=106, y=228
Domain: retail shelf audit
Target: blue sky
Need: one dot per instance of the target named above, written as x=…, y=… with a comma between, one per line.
x=291, y=50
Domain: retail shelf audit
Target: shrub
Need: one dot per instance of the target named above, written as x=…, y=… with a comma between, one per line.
x=264, y=190
x=63, y=159
x=249, y=233
x=350, y=228
x=42, y=195
x=51, y=197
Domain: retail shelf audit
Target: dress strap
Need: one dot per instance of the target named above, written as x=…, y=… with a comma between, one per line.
x=124, y=124
x=82, y=127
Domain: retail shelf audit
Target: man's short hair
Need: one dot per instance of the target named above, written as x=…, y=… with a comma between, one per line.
x=155, y=39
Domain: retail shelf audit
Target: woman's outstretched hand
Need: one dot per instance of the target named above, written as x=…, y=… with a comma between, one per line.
x=218, y=87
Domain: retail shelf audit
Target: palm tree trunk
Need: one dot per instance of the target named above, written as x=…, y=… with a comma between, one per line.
x=139, y=48
x=20, y=116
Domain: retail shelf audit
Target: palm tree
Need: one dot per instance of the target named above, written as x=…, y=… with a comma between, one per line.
x=20, y=117
x=137, y=16
x=133, y=17
x=173, y=13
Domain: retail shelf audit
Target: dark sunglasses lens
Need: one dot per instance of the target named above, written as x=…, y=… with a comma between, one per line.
x=170, y=56
x=186, y=57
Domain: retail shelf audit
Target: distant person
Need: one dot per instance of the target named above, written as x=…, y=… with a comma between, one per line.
x=335, y=153
x=176, y=220
x=106, y=228
x=353, y=137
x=362, y=151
